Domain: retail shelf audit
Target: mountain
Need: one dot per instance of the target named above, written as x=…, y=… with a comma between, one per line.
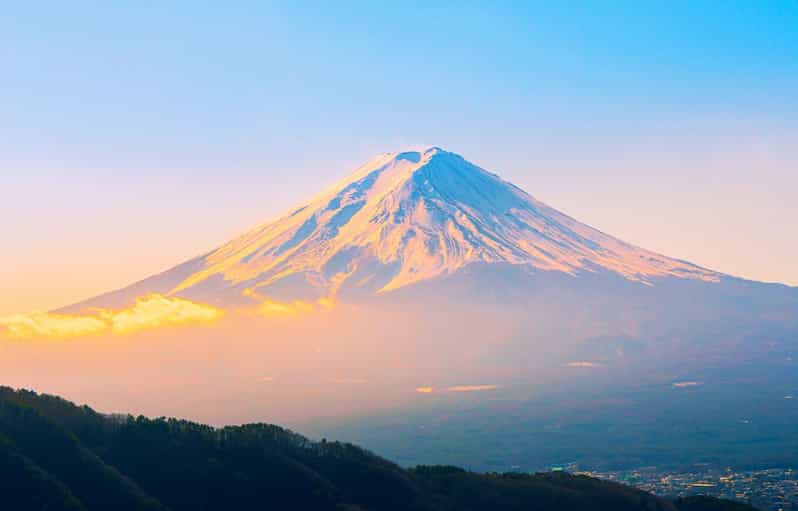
x=423, y=231
x=401, y=219
x=58, y=456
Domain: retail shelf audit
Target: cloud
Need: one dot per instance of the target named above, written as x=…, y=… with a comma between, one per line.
x=583, y=363
x=270, y=307
x=685, y=384
x=275, y=308
x=156, y=310
x=45, y=324
x=457, y=388
x=149, y=312
x=470, y=388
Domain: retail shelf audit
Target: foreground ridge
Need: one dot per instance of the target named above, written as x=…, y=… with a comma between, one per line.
x=59, y=456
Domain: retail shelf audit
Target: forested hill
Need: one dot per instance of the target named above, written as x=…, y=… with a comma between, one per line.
x=57, y=456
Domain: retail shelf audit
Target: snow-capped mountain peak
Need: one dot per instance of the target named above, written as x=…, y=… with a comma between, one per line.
x=403, y=218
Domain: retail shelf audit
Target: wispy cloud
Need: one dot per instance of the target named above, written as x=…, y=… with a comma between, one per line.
x=685, y=384
x=583, y=363
x=270, y=307
x=149, y=312
x=456, y=388
x=45, y=324
x=157, y=310
x=471, y=388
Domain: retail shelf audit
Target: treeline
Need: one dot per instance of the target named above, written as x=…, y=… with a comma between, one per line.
x=57, y=456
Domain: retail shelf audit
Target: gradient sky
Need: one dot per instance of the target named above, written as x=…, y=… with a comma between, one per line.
x=136, y=135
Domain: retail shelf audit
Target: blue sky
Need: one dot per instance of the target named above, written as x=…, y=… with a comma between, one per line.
x=670, y=124
x=225, y=82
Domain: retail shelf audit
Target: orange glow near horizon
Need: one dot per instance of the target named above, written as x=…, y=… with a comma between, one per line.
x=151, y=311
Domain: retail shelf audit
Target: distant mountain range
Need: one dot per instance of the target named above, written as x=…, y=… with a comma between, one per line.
x=56, y=456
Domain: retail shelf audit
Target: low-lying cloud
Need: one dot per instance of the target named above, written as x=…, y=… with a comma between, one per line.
x=149, y=312
x=45, y=324
x=687, y=384
x=583, y=363
x=456, y=388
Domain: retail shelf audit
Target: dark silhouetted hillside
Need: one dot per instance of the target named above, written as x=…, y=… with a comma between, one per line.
x=56, y=456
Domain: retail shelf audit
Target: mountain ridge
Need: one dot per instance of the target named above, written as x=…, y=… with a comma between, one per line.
x=65, y=457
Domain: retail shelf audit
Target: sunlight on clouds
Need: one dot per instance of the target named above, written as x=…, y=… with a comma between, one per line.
x=326, y=302
x=156, y=310
x=457, y=388
x=274, y=308
x=471, y=388
x=269, y=307
x=44, y=324
x=149, y=312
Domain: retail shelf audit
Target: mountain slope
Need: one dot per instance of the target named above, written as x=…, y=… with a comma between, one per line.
x=34, y=489
x=47, y=452
x=188, y=466
x=400, y=219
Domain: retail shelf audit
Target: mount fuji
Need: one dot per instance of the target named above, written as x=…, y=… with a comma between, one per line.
x=400, y=220
x=428, y=230
x=425, y=233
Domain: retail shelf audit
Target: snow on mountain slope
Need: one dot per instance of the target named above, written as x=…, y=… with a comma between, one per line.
x=400, y=219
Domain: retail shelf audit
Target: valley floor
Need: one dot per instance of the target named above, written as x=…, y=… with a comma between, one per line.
x=770, y=489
